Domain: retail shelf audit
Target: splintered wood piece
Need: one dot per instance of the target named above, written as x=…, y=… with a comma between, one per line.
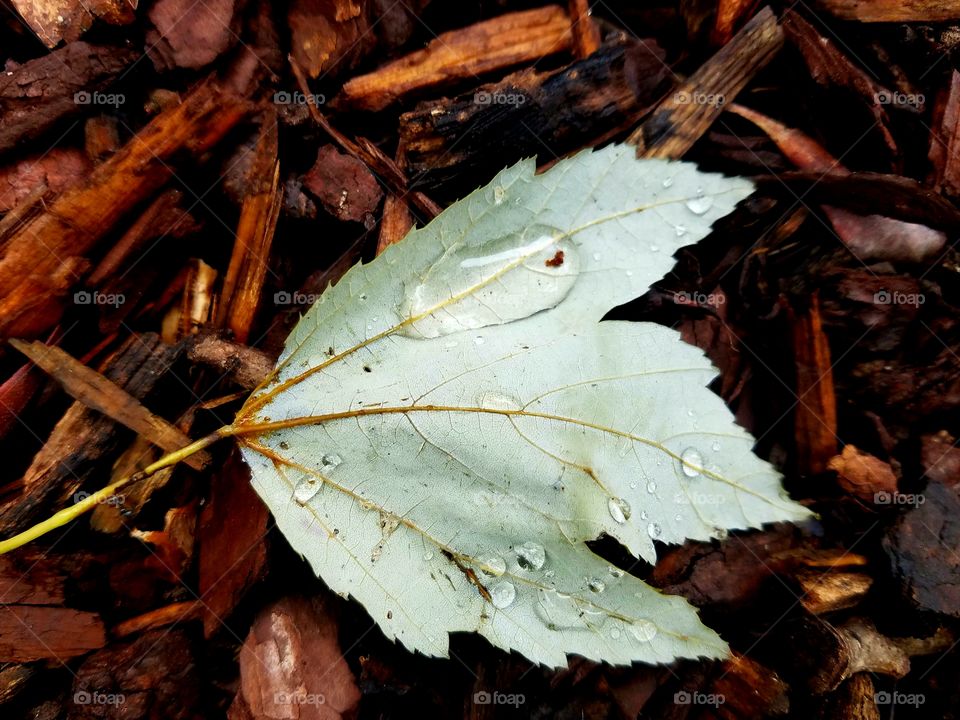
x=749, y=690
x=324, y=32
x=56, y=20
x=174, y=614
x=496, y=44
x=98, y=393
x=586, y=35
x=196, y=302
x=82, y=436
x=815, y=420
x=396, y=219
x=825, y=592
x=728, y=16
x=686, y=114
x=34, y=632
x=243, y=283
x=894, y=11
x=448, y=140
x=44, y=258
x=42, y=92
x=945, y=140
x=855, y=699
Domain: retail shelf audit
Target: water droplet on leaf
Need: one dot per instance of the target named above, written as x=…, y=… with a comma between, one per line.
x=306, y=489
x=530, y=556
x=700, y=204
x=691, y=462
x=643, y=630
x=619, y=509
x=502, y=594
x=492, y=565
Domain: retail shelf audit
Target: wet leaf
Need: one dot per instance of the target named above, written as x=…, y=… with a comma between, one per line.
x=450, y=423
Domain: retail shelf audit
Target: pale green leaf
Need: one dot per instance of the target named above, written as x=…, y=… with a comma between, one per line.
x=450, y=423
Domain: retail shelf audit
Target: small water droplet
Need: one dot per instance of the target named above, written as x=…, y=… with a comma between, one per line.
x=643, y=515
x=615, y=571
x=643, y=630
x=492, y=565
x=680, y=230
x=629, y=273
x=502, y=594
x=700, y=204
x=691, y=462
x=596, y=256
x=651, y=487
x=633, y=486
x=596, y=585
x=428, y=556
x=330, y=461
x=615, y=633
x=668, y=182
x=690, y=413
x=715, y=447
x=479, y=340
x=306, y=489
x=653, y=530
x=654, y=248
x=530, y=556
x=619, y=509
x=498, y=194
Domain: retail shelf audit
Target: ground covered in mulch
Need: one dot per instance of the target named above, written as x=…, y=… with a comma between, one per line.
x=179, y=182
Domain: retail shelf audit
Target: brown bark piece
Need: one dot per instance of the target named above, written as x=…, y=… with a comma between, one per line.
x=34, y=632
x=445, y=141
x=815, y=423
x=82, y=437
x=828, y=66
x=45, y=258
x=232, y=541
x=344, y=185
x=30, y=580
x=900, y=11
x=324, y=32
x=855, y=699
x=40, y=93
x=940, y=458
x=945, y=139
x=190, y=34
x=728, y=16
x=101, y=137
x=243, y=283
x=863, y=475
x=154, y=677
x=174, y=614
x=291, y=666
x=687, y=113
x=921, y=550
x=242, y=365
x=496, y=44
x=56, y=20
x=100, y=394
x=52, y=172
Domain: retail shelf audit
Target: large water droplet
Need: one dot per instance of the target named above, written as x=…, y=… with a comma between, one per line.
x=498, y=194
x=654, y=530
x=492, y=565
x=619, y=509
x=502, y=594
x=651, y=487
x=643, y=630
x=691, y=462
x=700, y=204
x=530, y=556
x=306, y=489
x=505, y=279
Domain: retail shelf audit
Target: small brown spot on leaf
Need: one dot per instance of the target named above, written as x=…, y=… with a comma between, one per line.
x=556, y=260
